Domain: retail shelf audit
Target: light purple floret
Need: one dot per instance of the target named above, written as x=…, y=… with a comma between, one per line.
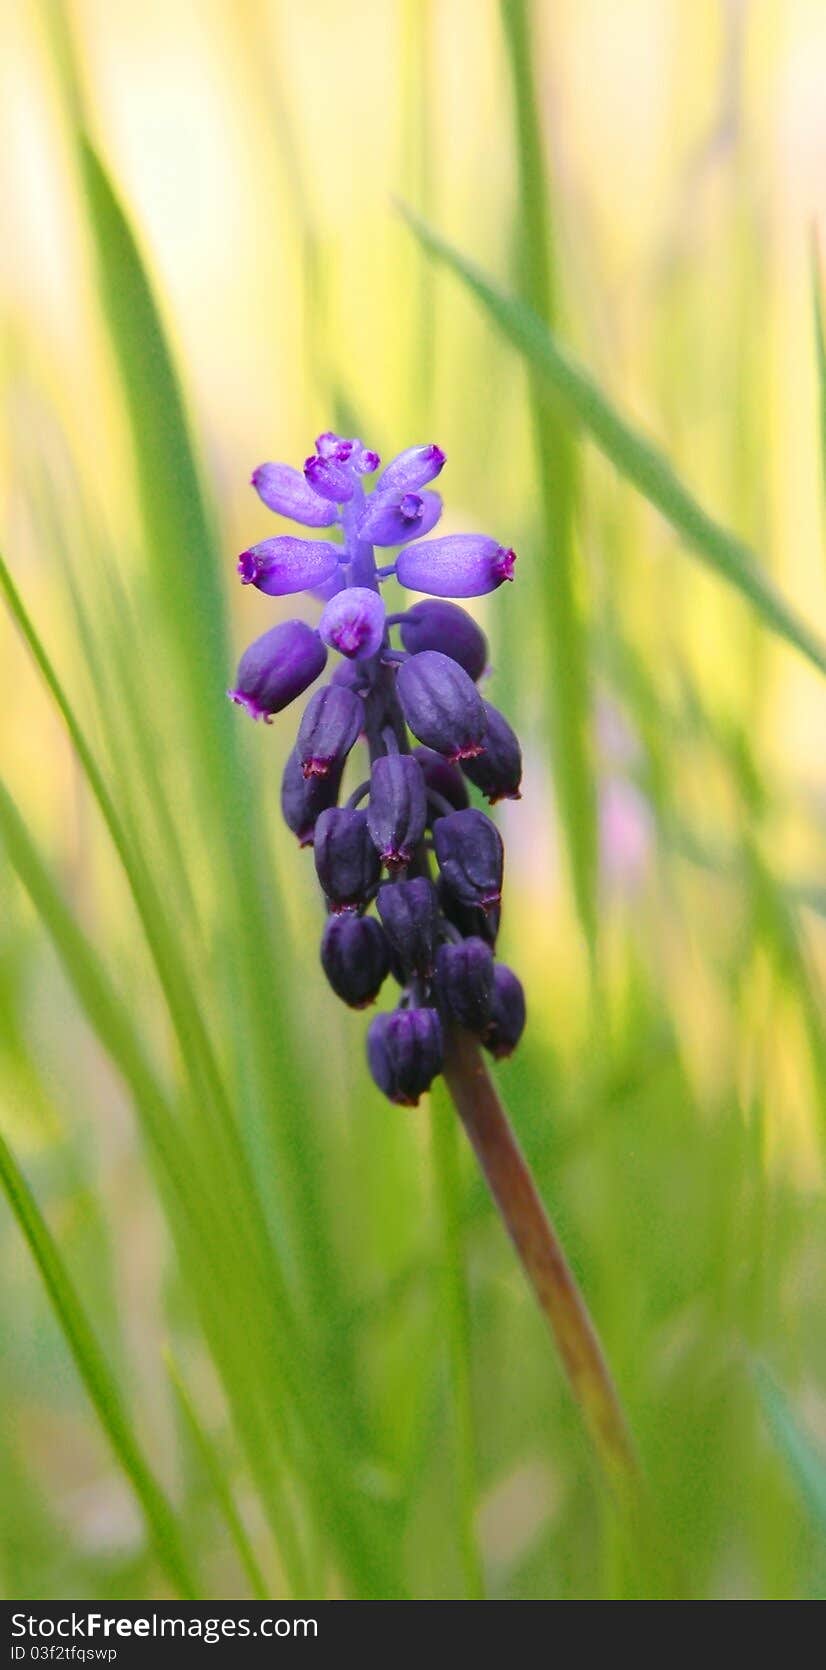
x=393, y=521
x=459, y=565
x=285, y=490
x=283, y=565
x=411, y=469
x=353, y=623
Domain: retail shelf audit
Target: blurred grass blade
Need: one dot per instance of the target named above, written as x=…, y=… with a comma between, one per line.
x=91, y=1364
x=567, y=683
x=180, y=542
x=805, y=1463
x=630, y=452
x=221, y=1490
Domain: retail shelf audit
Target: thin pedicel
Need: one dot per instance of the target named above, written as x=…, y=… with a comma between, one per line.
x=437, y=941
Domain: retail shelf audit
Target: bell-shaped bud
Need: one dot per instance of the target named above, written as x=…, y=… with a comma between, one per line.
x=411, y=469
x=353, y=623
x=472, y=921
x=442, y=778
x=355, y=957
x=471, y=857
x=284, y=565
x=285, y=490
x=330, y=476
x=442, y=705
x=346, y=860
x=303, y=799
x=404, y=1053
x=498, y=771
x=445, y=627
x=277, y=667
x=397, y=811
x=410, y=913
x=392, y=521
x=464, y=983
x=458, y=565
x=330, y=725
x=507, y=1018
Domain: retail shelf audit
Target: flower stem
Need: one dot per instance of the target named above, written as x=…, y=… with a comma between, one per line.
x=526, y=1220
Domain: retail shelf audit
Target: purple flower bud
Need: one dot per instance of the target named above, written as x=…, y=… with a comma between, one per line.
x=411, y=469
x=446, y=627
x=404, y=1052
x=303, y=799
x=498, y=771
x=330, y=725
x=277, y=667
x=351, y=675
x=464, y=983
x=397, y=812
x=442, y=778
x=410, y=913
x=330, y=478
x=459, y=565
x=283, y=565
x=442, y=705
x=346, y=860
x=471, y=920
x=353, y=622
x=285, y=490
x=364, y=460
x=330, y=445
x=507, y=1022
x=355, y=957
x=392, y=521
x=471, y=857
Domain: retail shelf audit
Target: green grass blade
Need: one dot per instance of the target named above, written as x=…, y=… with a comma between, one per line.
x=220, y=1487
x=91, y=1364
x=568, y=693
x=806, y=1463
x=630, y=452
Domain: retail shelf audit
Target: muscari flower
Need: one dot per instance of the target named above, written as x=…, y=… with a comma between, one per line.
x=437, y=938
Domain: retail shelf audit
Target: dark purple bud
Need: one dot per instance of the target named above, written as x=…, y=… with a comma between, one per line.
x=442, y=705
x=471, y=857
x=285, y=490
x=404, y=1052
x=331, y=723
x=410, y=913
x=277, y=667
x=283, y=565
x=346, y=860
x=464, y=983
x=351, y=675
x=446, y=627
x=353, y=622
x=472, y=921
x=355, y=957
x=392, y=521
x=442, y=778
x=330, y=478
x=411, y=469
x=507, y=1022
x=303, y=799
x=459, y=565
x=498, y=771
x=397, y=812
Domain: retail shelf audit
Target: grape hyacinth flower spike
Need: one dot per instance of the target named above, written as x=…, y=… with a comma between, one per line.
x=428, y=734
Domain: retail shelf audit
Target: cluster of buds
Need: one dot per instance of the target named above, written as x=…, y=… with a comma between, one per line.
x=437, y=939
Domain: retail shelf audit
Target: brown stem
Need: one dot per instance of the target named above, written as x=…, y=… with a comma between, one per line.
x=513, y=1188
